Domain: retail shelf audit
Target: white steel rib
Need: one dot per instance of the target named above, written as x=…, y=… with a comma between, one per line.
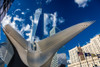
x=46, y=48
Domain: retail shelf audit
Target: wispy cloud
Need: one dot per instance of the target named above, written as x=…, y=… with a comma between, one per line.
x=17, y=18
x=7, y=20
x=22, y=13
x=25, y=29
x=17, y=10
x=28, y=34
x=61, y=20
x=48, y=1
x=41, y=1
x=82, y=3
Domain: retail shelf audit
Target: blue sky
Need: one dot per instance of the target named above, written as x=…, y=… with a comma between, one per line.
x=67, y=13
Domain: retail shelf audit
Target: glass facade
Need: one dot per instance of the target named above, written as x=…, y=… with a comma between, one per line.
x=4, y=6
x=54, y=62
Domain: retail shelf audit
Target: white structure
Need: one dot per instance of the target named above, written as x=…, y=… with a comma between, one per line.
x=84, y=63
x=46, y=48
x=93, y=47
x=73, y=55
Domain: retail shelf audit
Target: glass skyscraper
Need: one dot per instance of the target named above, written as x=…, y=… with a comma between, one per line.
x=54, y=62
x=4, y=6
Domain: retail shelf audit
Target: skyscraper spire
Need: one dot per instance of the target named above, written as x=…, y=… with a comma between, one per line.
x=79, y=45
x=34, y=27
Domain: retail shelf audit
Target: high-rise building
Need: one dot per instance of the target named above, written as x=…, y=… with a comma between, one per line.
x=1, y=62
x=62, y=59
x=54, y=62
x=93, y=48
x=4, y=6
x=59, y=60
x=96, y=44
x=6, y=53
x=74, y=54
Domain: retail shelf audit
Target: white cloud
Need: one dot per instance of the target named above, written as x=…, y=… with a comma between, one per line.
x=12, y=21
x=22, y=13
x=82, y=3
x=7, y=20
x=61, y=20
x=16, y=18
x=48, y=1
x=29, y=38
x=16, y=11
x=19, y=4
x=25, y=28
x=27, y=9
x=13, y=24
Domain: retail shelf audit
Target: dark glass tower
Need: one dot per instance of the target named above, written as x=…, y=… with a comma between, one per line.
x=4, y=6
